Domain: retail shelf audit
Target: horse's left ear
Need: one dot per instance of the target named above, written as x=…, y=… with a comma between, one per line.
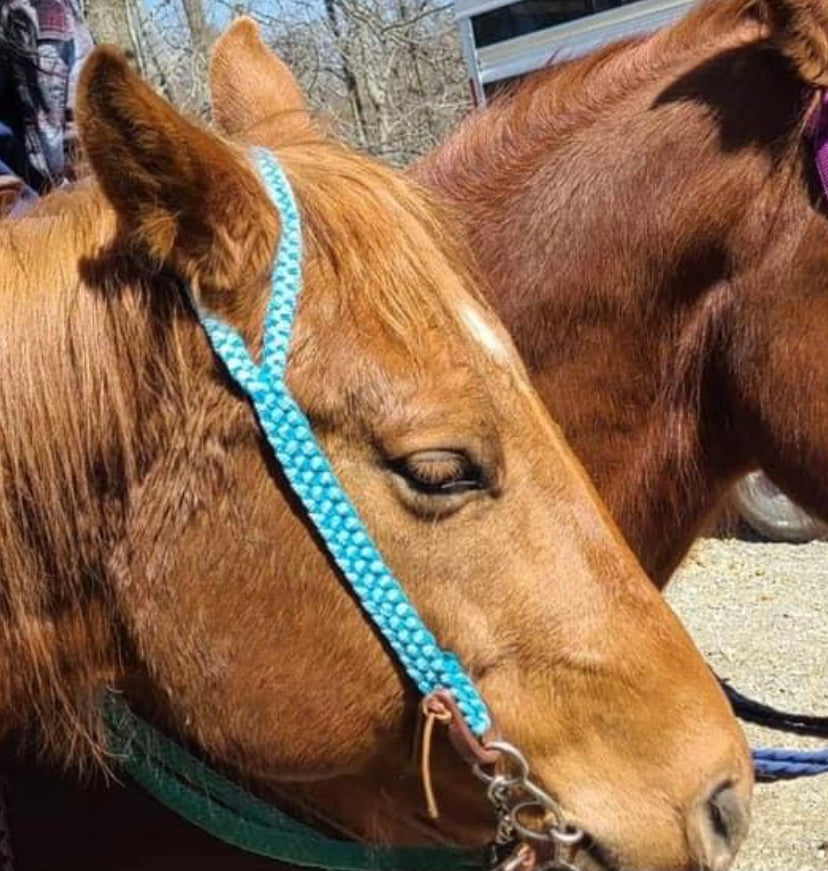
x=186, y=196
x=255, y=97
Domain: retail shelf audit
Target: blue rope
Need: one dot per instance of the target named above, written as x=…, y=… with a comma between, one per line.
x=777, y=763
x=313, y=479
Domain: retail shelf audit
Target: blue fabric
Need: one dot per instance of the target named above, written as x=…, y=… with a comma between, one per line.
x=25, y=196
x=313, y=479
x=6, y=136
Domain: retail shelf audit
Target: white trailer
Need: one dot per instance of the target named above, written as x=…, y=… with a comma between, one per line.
x=504, y=40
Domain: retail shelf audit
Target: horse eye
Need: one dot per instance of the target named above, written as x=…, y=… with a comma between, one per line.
x=440, y=472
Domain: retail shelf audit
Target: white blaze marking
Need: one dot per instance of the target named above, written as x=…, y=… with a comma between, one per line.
x=483, y=331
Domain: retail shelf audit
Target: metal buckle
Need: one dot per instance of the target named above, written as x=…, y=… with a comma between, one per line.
x=512, y=793
x=515, y=797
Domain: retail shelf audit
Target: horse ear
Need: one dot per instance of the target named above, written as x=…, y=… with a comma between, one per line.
x=254, y=95
x=799, y=29
x=178, y=190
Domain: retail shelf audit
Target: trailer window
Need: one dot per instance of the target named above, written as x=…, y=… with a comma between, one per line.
x=527, y=16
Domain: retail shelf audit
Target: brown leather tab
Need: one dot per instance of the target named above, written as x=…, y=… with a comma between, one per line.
x=443, y=707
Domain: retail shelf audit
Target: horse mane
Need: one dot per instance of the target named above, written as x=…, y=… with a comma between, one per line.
x=563, y=97
x=80, y=356
x=597, y=79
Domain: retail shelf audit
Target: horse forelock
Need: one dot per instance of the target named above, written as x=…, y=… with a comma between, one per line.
x=422, y=278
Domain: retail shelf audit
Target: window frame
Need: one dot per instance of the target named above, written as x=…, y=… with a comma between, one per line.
x=523, y=54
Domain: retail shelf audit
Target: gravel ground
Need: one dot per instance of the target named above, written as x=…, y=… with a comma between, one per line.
x=759, y=612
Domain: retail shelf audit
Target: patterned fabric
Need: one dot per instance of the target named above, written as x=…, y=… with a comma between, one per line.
x=43, y=44
x=15, y=196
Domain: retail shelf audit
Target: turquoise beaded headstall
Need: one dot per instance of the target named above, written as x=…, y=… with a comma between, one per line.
x=206, y=798
x=314, y=481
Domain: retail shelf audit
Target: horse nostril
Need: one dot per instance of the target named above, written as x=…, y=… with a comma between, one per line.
x=718, y=826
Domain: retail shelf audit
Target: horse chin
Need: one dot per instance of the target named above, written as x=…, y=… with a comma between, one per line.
x=592, y=855
x=390, y=813
x=464, y=833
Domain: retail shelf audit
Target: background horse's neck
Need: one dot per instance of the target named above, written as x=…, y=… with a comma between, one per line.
x=613, y=202
x=500, y=147
x=659, y=467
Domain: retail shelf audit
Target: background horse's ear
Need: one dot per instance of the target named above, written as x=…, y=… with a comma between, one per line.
x=189, y=198
x=254, y=95
x=799, y=28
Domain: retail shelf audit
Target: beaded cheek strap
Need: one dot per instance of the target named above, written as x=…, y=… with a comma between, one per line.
x=314, y=481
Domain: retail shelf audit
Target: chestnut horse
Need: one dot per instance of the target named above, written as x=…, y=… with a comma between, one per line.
x=149, y=542
x=655, y=237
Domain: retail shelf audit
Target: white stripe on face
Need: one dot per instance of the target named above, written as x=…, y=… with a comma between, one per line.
x=481, y=329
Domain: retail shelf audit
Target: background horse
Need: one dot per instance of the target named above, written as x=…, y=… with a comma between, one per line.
x=653, y=229
x=148, y=540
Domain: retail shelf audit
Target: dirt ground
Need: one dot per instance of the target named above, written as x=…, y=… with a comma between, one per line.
x=759, y=612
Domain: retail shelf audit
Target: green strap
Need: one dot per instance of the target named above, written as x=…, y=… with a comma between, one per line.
x=205, y=798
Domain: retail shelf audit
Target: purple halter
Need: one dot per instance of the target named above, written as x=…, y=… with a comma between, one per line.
x=819, y=130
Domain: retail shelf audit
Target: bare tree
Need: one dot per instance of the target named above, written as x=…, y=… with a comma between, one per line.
x=388, y=73
x=110, y=22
